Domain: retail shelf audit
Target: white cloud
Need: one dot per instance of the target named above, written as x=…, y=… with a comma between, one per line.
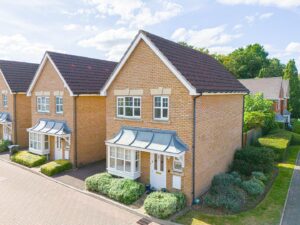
x=207, y=37
x=258, y=16
x=71, y=27
x=277, y=3
x=80, y=28
x=18, y=47
x=221, y=49
x=137, y=13
x=112, y=42
x=266, y=15
x=237, y=27
x=293, y=47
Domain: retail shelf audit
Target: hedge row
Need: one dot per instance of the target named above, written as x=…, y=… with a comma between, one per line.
x=28, y=159
x=56, y=167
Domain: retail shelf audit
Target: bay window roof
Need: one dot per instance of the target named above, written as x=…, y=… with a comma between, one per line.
x=50, y=127
x=4, y=117
x=145, y=139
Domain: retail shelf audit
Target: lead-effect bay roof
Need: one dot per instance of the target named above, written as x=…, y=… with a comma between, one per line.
x=50, y=127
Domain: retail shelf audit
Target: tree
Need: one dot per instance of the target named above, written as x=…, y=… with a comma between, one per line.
x=257, y=102
x=274, y=68
x=291, y=73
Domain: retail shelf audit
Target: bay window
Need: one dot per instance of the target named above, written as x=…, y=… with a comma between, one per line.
x=161, y=108
x=39, y=143
x=129, y=107
x=42, y=104
x=124, y=162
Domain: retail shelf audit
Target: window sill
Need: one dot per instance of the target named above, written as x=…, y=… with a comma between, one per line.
x=39, y=151
x=177, y=173
x=130, y=119
x=161, y=121
x=128, y=175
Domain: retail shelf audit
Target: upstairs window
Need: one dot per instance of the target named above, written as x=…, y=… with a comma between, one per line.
x=161, y=108
x=129, y=107
x=43, y=104
x=4, y=100
x=59, y=104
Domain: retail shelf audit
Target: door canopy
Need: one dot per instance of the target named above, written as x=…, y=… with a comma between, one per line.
x=50, y=127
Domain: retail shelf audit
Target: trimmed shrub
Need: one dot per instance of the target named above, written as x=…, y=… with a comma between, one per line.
x=28, y=159
x=4, y=145
x=99, y=183
x=56, y=167
x=125, y=190
x=228, y=197
x=250, y=159
x=181, y=200
x=253, y=120
x=296, y=127
x=161, y=204
x=253, y=187
x=260, y=176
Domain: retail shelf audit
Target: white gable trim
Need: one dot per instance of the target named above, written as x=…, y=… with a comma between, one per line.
x=39, y=71
x=171, y=67
x=224, y=93
x=2, y=74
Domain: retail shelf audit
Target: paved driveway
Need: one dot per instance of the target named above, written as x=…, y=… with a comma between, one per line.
x=29, y=199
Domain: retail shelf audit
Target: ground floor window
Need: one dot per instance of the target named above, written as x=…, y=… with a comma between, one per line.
x=6, y=133
x=178, y=163
x=39, y=142
x=123, y=162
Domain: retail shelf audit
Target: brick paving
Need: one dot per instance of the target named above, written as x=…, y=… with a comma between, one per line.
x=291, y=214
x=29, y=199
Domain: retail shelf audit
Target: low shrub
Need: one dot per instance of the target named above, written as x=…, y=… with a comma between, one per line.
x=296, y=127
x=125, y=190
x=100, y=183
x=56, y=167
x=253, y=186
x=225, y=179
x=250, y=159
x=181, y=200
x=161, y=204
x=253, y=120
x=228, y=197
x=260, y=176
x=28, y=159
x=4, y=145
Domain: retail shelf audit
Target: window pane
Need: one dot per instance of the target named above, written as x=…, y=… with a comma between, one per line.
x=137, y=102
x=120, y=101
x=157, y=113
x=165, y=102
x=120, y=164
x=128, y=111
x=157, y=101
x=165, y=113
x=162, y=162
x=137, y=155
x=155, y=161
x=137, y=111
x=127, y=154
x=128, y=101
x=112, y=152
x=120, y=153
x=121, y=110
x=127, y=166
x=137, y=167
x=112, y=162
x=177, y=165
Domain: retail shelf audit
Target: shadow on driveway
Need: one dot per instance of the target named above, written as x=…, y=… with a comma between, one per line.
x=77, y=176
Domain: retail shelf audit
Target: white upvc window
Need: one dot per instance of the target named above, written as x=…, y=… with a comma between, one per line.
x=4, y=100
x=161, y=107
x=43, y=103
x=6, y=133
x=129, y=107
x=124, y=162
x=38, y=143
x=59, y=104
x=178, y=163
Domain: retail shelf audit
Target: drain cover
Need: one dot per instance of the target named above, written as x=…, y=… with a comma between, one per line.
x=143, y=221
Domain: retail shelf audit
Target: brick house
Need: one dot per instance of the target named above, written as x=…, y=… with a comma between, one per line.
x=68, y=113
x=15, y=110
x=275, y=89
x=175, y=116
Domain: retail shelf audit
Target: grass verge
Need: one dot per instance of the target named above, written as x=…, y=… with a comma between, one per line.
x=268, y=212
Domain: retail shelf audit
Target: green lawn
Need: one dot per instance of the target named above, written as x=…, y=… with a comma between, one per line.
x=268, y=212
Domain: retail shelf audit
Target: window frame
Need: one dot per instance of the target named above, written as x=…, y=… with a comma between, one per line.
x=42, y=105
x=59, y=105
x=4, y=100
x=38, y=142
x=133, y=107
x=161, y=107
x=179, y=160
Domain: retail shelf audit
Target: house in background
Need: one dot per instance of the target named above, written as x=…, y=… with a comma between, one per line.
x=174, y=114
x=68, y=113
x=15, y=107
x=275, y=89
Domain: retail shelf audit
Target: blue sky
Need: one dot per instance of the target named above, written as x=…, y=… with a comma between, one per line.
x=104, y=28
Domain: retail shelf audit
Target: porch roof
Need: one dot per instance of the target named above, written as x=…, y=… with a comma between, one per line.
x=145, y=139
x=4, y=117
x=50, y=127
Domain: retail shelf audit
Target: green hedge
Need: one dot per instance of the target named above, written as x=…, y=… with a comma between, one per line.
x=28, y=159
x=4, y=145
x=296, y=127
x=163, y=204
x=253, y=186
x=56, y=167
x=123, y=190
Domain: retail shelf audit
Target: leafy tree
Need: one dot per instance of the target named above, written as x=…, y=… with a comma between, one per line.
x=257, y=102
x=274, y=68
x=291, y=73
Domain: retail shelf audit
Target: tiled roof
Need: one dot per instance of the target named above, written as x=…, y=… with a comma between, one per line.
x=270, y=87
x=202, y=71
x=83, y=75
x=18, y=74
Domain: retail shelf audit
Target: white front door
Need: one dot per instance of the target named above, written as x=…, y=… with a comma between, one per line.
x=158, y=171
x=58, y=149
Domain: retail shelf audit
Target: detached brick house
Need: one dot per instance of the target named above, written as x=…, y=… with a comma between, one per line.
x=15, y=109
x=275, y=89
x=68, y=113
x=175, y=116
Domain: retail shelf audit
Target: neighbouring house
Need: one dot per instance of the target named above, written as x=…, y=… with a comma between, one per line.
x=175, y=116
x=15, y=106
x=275, y=89
x=68, y=113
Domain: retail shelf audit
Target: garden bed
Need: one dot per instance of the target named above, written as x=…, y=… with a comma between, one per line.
x=28, y=159
x=56, y=167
